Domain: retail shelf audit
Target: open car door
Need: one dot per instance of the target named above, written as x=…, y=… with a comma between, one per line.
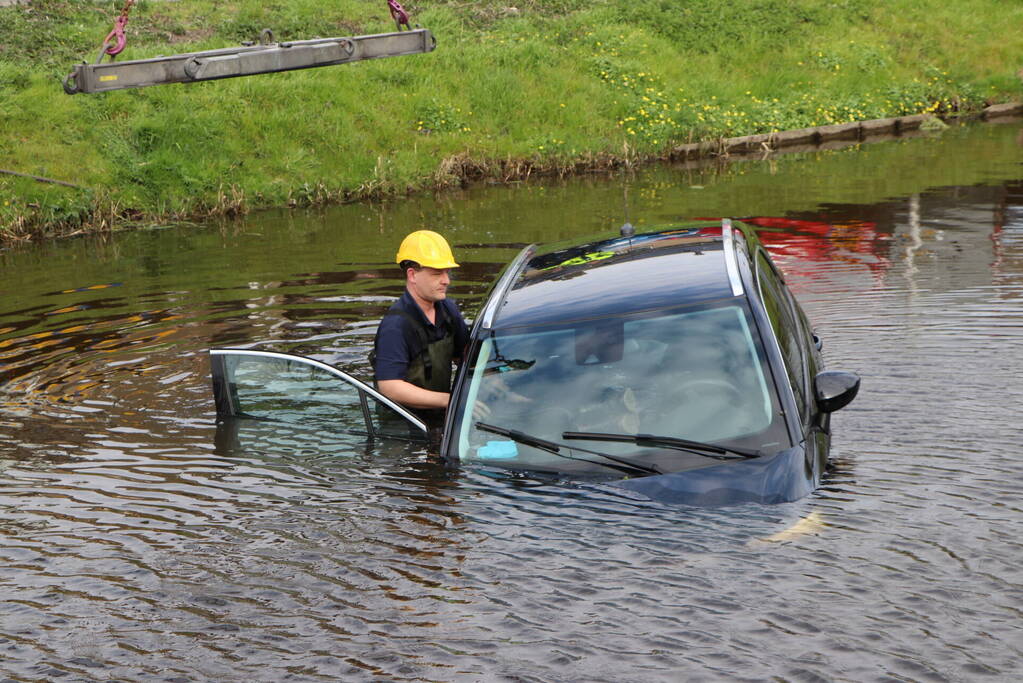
x=282, y=387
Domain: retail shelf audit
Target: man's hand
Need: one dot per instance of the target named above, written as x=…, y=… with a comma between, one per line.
x=480, y=411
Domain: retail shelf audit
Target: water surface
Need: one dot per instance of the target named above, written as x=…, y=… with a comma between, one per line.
x=138, y=542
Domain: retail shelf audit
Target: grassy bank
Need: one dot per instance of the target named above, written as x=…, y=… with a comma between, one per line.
x=545, y=86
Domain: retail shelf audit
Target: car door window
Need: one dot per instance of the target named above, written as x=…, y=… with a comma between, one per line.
x=812, y=341
x=786, y=329
x=803, y=339
x=286, y=388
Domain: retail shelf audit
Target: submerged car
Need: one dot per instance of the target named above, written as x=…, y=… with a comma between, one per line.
x=674, y=363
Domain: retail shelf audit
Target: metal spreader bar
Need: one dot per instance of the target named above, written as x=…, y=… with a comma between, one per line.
x=245, y=61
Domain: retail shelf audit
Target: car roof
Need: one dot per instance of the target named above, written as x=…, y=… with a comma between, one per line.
x=670, y=266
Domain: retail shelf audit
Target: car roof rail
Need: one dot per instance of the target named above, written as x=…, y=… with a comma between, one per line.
x=731, y=261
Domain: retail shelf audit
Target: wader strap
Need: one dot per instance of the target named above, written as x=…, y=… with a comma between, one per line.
x=424, y=339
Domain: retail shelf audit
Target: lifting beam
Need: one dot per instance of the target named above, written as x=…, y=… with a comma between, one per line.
x=245, y=61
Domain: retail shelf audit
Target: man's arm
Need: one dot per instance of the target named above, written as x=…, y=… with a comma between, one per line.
x=408, y=394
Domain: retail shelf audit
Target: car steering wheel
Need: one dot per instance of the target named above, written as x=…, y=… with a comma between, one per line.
x=685, y=408
x=689, y=392
x=708, y=384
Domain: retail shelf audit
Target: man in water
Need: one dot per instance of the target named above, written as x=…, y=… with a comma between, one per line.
x=423, y=331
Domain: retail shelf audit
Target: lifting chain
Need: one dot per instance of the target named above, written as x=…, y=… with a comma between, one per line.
x=115, y=41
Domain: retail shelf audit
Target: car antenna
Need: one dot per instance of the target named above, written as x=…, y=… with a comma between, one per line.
x=626, y=230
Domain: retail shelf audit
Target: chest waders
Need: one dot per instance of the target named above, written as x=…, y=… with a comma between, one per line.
x=431, y=368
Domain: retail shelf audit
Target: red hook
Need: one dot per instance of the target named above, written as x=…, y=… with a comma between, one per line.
x=118, y=34
x=398, y=13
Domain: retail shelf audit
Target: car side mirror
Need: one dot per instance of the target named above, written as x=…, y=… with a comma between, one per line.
x=835, y=389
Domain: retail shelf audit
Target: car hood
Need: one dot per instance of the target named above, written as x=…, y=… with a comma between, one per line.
x=778, y=478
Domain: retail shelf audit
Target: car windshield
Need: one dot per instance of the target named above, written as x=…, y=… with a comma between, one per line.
x=693, y=374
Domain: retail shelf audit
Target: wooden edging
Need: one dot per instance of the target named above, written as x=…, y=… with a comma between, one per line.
x=838, y=135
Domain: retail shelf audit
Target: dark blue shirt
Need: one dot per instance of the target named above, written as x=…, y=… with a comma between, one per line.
x=398, y=343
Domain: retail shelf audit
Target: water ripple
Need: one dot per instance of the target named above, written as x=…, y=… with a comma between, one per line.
x=139, y=541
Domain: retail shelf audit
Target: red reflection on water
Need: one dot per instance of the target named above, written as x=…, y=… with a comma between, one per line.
x=800, y=245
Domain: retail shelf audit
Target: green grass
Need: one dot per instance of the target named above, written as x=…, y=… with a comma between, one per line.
x=546, y=86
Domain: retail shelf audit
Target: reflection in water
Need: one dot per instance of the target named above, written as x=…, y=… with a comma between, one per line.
x=803, y=242
x=915, y=241
x=140, y=541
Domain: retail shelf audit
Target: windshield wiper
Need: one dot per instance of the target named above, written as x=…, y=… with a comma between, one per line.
x=555, y=448
x=707, y=450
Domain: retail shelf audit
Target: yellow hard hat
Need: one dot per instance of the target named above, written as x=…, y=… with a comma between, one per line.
x=426, y=248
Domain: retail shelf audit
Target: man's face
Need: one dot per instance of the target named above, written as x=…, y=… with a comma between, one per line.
x=430, y=284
